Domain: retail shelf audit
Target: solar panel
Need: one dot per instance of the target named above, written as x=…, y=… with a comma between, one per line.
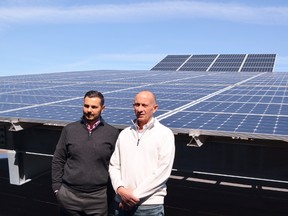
x=259, y=63
x=228, y=63
x=198, y=63
x=171, y=62
x=219, y=62
x=253, y=105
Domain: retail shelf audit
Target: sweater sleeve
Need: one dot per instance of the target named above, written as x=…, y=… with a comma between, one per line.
x=58, y=161
x=114, y=167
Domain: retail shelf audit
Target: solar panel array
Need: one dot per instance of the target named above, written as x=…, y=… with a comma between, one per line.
x=222, y=62
x=253, y=105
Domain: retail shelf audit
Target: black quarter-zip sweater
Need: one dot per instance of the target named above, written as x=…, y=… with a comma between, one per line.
x=81, y=159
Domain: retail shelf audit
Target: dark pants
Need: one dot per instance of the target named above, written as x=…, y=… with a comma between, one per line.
x=75, y=203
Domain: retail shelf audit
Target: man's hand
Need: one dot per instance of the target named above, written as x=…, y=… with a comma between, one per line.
x=128, y=199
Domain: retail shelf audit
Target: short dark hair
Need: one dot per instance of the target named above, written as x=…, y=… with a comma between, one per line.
x=93, y=93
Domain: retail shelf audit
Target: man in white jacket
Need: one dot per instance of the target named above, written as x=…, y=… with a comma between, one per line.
x=142, y=161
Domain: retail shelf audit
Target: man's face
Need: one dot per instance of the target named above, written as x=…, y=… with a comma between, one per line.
x=92, y=109
x=144, y=107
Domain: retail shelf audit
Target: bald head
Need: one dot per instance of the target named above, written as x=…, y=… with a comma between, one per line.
x=145, y=106
x=147, y=94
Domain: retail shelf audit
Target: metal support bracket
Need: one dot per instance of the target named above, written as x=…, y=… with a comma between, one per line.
x=17, y=126
x=197, y=140
x=24, y=166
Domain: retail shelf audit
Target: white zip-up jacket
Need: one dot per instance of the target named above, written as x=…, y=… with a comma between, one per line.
x=143, y=161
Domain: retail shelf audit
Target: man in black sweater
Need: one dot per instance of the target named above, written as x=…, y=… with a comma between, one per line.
x=80, y=163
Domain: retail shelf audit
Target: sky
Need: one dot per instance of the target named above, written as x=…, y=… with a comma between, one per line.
x=47, y=36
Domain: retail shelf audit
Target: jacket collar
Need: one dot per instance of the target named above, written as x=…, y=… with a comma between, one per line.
x=149, y=125
x=84, y=121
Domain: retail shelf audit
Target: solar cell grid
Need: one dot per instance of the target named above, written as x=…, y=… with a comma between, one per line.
x=255, y=91
x=227, y=63
x=256, y=69
x=231, y=56
x=177, y=56
x=210, y=56
x=259, y=63
x=174, y=60
x=198, y=63
x=122, y=117
x=199, y=60
x=171, y=62
x=45, y=113
x=118, y=116
x=9, y=106
x=221, y=62
x=163, y=68
x=26, y=99
x=207, y=79
x=252, y=103
x=195, y=67
x=248, y=124
x=178, y=88
x=119, y=103
x=53, y=92
x=221, y=69
x=249, y=99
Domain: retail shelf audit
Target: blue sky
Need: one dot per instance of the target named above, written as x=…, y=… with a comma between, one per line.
x=45, y=36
